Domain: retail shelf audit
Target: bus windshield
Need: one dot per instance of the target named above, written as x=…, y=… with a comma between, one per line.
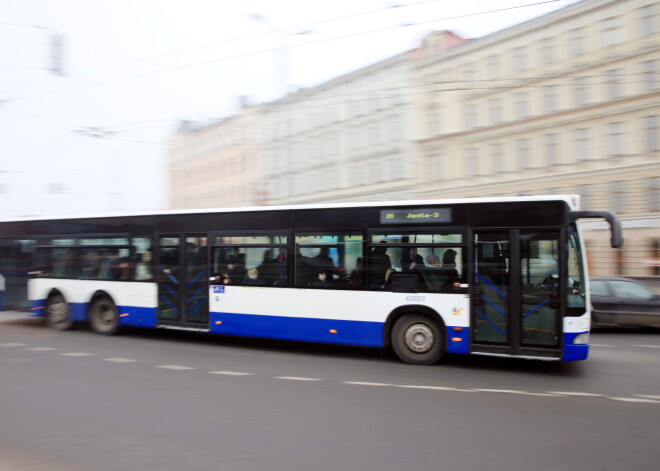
x=575, y=302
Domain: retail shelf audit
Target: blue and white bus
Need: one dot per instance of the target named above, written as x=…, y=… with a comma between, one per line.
x=496, y=276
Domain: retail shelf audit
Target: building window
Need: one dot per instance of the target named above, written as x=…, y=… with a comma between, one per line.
x=613, y=84
x=580, y=90
x=436, y=168
x=472, y=162
x=653, y=191
x=495, y=110
x=433, y=123
x=375, y=172
x=582, y=144
x=615, y=139
x=648, y=20
x=497, y=158
x=521, y=105
x=493, y=67
x=524, y=155
x=652, y=134
x=547, y=51
x=585, y=196
x=471, y=116
x=519, y=59
x=617, y=196
x=551, y=150
x=611, y=28
x=550, y=98
x=650, y=72
x=469, y=73
x=578, y=41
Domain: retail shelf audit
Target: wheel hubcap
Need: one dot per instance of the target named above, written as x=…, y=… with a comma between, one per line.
x=419, y=338
x=106, y=316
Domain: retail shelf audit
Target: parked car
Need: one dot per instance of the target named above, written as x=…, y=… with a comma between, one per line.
x=624, y=302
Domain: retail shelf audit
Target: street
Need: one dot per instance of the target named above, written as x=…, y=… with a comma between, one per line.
x=164, y=400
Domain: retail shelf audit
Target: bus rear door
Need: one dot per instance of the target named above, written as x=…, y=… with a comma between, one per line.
x=183, y=281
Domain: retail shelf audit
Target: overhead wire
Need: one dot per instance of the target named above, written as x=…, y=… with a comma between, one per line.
x=263, y=51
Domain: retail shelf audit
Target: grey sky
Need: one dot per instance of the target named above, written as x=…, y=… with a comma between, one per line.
x=92, y=141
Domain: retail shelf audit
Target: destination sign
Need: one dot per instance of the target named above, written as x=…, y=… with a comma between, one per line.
x=415, y=216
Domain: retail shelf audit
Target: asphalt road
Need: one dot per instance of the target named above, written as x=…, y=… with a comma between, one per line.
x=169, y=401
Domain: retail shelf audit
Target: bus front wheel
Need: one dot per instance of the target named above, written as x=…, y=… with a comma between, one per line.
x=104, y=316
x=58, y=313
x=417, y=340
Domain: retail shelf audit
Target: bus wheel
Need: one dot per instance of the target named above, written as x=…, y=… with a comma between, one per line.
x=104, y=317
x=58, y=313
x=417, y=340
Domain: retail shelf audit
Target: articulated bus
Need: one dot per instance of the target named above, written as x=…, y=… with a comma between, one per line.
x=497, y=276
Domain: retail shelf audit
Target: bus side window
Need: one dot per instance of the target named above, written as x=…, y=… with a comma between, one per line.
x=251, y=266
x=143, y=259
x=66, y=263
x=329, y=260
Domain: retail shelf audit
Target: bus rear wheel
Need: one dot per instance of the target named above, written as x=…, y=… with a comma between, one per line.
x=104, y=316
x=417, y=340
x=58, y=313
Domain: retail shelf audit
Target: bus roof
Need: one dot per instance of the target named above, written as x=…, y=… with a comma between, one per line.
x=573, y=201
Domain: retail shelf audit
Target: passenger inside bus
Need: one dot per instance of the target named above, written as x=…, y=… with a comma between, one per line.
x=379, y=265
x=321, y=281
x=252, y=278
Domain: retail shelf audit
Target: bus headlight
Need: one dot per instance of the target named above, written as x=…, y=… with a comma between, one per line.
x=581, y=339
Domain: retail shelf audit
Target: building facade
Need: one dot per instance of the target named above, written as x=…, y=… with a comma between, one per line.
x=566, y=103
x=217, y=164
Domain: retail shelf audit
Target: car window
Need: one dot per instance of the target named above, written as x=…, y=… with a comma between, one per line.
x=598, y=288
x=628, y=289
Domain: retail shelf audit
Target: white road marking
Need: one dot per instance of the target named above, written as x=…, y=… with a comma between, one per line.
x=433, y=388
x=637, y=398
x=574, y=393
x=297, y=378
x=231, y=373
x=176, y=367
x=633, y=399
x=362, y=383
x=515, y=391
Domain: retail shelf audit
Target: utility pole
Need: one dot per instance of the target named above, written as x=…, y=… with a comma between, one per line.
x=55, y=46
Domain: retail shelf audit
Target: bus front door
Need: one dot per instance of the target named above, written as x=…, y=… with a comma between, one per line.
x=183, y=281
x=516, y=292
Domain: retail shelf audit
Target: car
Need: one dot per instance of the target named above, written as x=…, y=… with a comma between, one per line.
x=623, y=302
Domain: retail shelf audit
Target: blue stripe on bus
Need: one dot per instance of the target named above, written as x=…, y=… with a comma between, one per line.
x=359, y=333
x=38, y=308
x=574, y=352
x=458, y=340
x=138, y=316
x=128, y=315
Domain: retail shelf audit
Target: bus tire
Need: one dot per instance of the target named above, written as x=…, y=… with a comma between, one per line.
x=58, y=313
x=104, y=316
x=417, y=340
